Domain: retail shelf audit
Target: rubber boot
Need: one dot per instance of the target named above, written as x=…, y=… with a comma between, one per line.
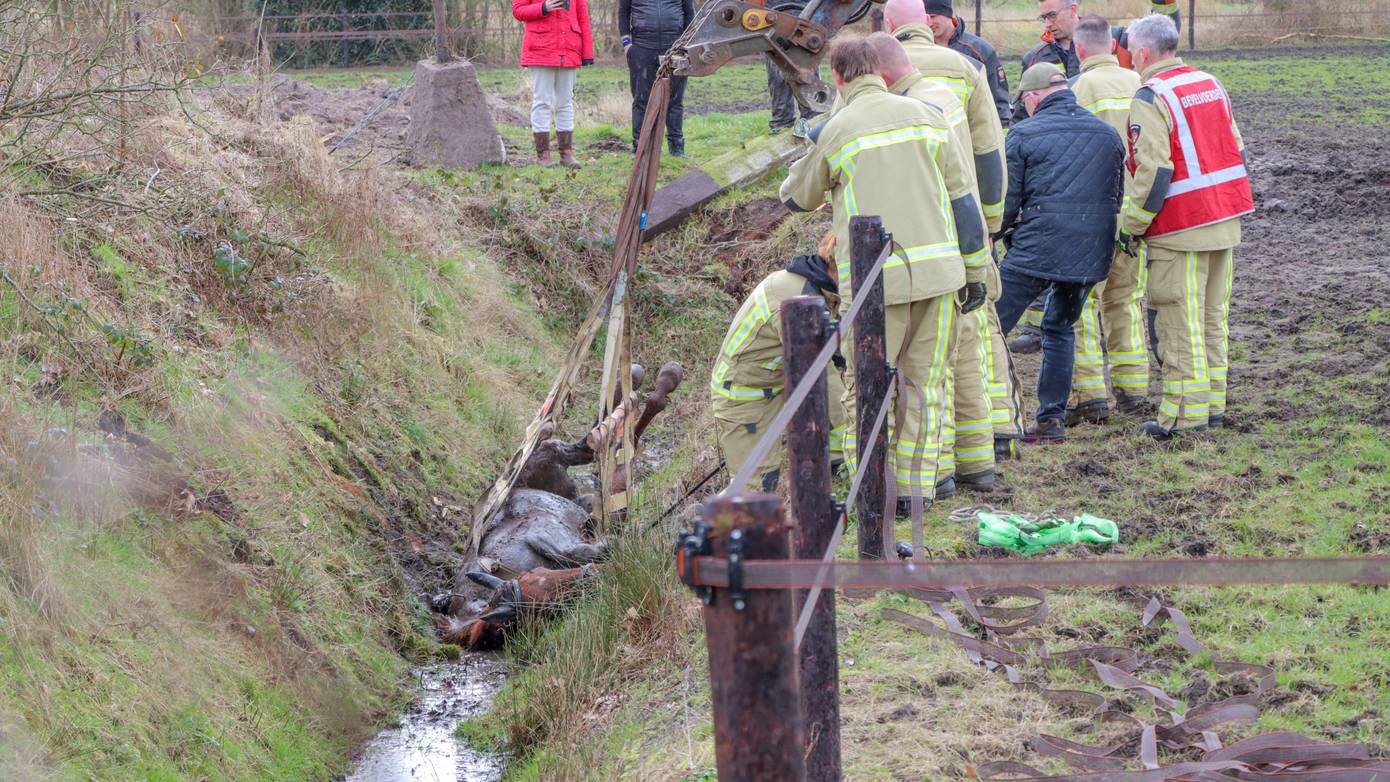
x=979, y=481
x=1132, y=404
x=675, y=147
x=1092, y=411
x=1006, y=448
x=564, y=140
x=1217, y=421
x=543, y=149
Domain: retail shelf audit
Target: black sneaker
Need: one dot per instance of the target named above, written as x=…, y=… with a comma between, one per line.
x=1025, y=343
x=1006, y=448
x=979, y=481
x=1092, y=411
x=1052, y=430
x=1132, y=404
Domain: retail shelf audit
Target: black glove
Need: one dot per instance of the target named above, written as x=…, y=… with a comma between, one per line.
x=586, y=62
x=974, y=297
x=1126, y=243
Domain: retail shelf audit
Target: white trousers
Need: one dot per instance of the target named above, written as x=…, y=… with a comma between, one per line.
x=552, y=95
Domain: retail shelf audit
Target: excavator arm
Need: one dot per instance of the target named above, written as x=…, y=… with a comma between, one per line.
x=794, y=33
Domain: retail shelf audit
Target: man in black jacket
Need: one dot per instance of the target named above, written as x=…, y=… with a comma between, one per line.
x=949, y=31
x=648, y=28
x=1065, y=183
x=1059, y=19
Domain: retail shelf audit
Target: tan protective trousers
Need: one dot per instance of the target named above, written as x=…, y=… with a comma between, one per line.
x=835, y=384
x=967, y=447
x=1191, y=292
x=1112, y=326
x=1001, y=382
x=914, y=451
x=740, y=424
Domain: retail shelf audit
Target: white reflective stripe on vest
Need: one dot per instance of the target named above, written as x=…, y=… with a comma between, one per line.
x=1207, y=180
x=1165, y=89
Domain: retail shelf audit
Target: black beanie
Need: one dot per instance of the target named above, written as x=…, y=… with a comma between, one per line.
x=942, y=7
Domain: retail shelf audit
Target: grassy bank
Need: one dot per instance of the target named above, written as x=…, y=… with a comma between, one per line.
x=238, y=434
x=1302, y=472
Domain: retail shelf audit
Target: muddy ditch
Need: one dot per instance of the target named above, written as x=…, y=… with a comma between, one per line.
x=425, y=745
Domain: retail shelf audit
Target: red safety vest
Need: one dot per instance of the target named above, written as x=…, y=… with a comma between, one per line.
x=1210, y=183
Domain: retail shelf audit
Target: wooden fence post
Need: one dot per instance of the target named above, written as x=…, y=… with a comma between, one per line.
x=979, y=15
x=1192, y=24
x=344, y=48
x=866, y=241
x=805, y=329
x=754, y=689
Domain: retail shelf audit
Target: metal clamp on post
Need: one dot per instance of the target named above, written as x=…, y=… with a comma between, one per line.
x=736, y=569
x=689, y=545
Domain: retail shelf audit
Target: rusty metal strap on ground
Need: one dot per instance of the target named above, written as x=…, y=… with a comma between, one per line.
x=793, y=399
x=1281, y=755
x=708, y=571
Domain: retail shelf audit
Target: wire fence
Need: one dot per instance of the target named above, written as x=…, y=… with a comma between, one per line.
x=489, y=35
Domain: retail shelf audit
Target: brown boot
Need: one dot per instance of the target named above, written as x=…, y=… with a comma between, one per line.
x=564, y=140
x=543, y=149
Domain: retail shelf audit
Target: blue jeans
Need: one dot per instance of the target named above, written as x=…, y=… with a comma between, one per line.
x=1064, y=303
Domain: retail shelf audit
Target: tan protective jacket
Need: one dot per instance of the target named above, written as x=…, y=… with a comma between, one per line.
x=892, y=156
x=951, y=69
x=1105, y=89
x=749, y=367
x=1148, y=136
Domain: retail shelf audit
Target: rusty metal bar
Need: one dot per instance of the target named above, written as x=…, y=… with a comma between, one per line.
x=867, y=241
x=754, y=689
x=945, y=574
x=805, y=329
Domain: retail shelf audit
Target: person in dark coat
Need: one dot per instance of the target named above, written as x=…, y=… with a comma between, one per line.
x=648, y=28
x=1065, y=185
x=949, y=31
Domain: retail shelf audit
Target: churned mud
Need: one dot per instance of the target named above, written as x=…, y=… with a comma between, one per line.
x=425, y=747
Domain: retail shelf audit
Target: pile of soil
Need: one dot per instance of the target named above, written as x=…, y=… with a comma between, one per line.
x=337, y=112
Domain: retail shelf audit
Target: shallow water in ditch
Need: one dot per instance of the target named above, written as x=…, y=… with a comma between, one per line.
x=424, y=747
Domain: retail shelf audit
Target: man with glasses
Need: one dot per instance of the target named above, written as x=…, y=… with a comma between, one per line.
x=1059, y=18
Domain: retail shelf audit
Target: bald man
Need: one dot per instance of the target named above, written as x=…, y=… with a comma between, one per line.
x=968, y=442
x=909, y=22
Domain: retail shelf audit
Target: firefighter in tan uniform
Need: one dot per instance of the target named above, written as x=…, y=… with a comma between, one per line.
x=746, y=384
x=967, y=457
x=1112, y=321
x=910, y=24
x=1185, y=191
x=892, y=156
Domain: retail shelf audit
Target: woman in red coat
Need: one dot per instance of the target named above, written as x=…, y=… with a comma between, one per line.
x=556, y=42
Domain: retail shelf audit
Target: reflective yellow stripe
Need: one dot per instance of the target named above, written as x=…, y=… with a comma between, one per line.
x=955, y=84
x=742, y=393
x=1108, y=104
x=844, y=157
x=1136, y=211
x=757, y=316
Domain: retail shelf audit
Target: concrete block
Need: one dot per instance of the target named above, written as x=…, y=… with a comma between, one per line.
x=450, y=124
